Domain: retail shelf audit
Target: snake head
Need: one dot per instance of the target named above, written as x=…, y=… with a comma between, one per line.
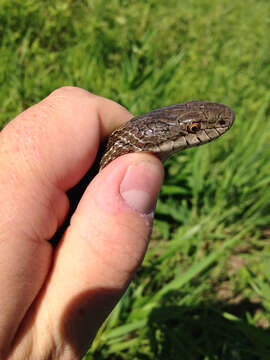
x=178, y=127
x=202, y=121
x=170, y=129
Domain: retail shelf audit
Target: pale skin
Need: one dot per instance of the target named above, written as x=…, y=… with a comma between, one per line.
x=53, y=300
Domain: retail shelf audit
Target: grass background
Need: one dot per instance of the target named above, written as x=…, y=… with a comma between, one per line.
x=203, y=291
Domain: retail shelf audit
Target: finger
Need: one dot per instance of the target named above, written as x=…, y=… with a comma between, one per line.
x=99, y=253
x=43, y=152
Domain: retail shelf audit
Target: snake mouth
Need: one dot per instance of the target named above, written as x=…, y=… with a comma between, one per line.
x=222, y=130
x=232, y=117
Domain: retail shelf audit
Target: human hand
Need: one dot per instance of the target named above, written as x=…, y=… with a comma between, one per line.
x=54, y=300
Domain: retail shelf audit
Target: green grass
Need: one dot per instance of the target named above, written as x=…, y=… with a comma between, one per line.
x=203, y=291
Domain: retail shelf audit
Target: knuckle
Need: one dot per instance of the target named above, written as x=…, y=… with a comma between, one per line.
x=70, y=92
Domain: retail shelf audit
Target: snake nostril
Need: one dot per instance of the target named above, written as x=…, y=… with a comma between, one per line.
x=222, y=122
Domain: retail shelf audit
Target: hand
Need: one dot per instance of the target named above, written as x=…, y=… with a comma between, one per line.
x=54, y=300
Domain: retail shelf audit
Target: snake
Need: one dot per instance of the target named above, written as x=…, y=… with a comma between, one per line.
x=169, y=129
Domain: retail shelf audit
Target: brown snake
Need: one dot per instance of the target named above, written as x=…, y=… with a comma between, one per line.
x=170, y=129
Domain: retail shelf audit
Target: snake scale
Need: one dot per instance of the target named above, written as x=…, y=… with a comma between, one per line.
x=170, y=129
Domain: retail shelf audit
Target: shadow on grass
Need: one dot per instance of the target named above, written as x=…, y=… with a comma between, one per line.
x=212, y=331
x=173, y=332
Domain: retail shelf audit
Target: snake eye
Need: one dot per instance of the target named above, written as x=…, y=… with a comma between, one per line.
x=193, y=127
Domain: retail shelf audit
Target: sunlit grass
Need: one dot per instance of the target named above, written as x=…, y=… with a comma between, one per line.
x=203, y=291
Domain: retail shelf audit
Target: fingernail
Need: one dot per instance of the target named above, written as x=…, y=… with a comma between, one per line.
x=140, y=186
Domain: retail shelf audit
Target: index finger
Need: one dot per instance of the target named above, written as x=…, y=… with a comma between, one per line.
x=58, y=138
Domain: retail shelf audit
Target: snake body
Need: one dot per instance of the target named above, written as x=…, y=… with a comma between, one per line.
x=170, y=129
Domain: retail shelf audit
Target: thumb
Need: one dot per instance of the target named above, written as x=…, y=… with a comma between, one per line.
x=101, y=249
